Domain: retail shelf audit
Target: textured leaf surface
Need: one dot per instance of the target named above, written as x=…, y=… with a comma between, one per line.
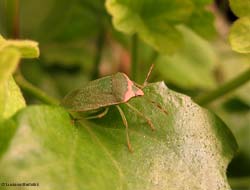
x=190, y=148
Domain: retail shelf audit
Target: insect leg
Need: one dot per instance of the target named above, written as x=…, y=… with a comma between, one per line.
x=142, y=115
x=100, y=115
x=125, y=122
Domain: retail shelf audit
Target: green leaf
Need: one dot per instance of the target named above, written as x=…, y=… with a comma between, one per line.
x=187, y=68
x=154, y=21
x=190, y=148
x=240, y=7
x=239, y=36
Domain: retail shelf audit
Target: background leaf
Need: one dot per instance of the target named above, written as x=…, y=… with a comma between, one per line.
x=240, y=7
x=239, y=35
x=154, y=21
x=188, y=69
x=191, y=147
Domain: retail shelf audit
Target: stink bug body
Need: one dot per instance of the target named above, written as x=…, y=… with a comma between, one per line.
x=104, y=92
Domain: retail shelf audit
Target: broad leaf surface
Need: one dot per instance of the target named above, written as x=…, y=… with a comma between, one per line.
x=190, y=148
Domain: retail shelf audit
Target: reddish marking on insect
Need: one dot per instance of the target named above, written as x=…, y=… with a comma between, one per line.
x=130, y=91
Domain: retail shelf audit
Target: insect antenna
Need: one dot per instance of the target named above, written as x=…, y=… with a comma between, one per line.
x=148, y=75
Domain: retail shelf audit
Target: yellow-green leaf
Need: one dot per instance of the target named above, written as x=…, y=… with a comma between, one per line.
x=11, y=99
x=27, y=48
x=9, y=58
x=240, y=35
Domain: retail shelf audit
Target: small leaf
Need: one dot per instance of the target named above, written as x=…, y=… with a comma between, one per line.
x=190, y=148
x=240, y=35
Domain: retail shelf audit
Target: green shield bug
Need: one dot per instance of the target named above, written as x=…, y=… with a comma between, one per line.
x=104, y=92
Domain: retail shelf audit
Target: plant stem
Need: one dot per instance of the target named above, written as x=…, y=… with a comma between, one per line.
x=99, y=49
x=134, y=56
x=34, y=91
x=240, y=183
x=13, y=18
x=224, y=89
